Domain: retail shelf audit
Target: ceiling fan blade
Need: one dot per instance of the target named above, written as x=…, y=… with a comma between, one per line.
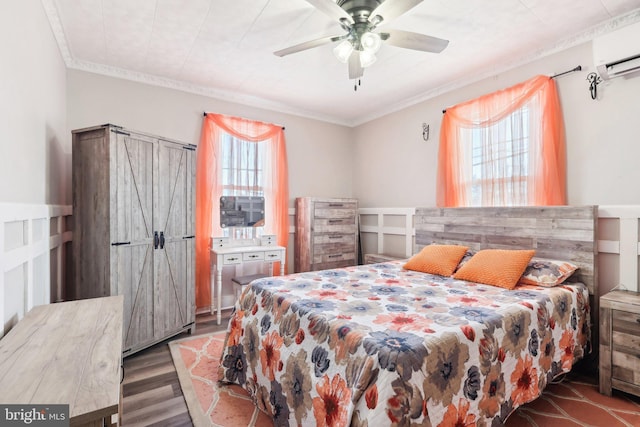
x=415, y=41
x=331, y=9
x=391, y=9
x=355, y=69
x=308, y=45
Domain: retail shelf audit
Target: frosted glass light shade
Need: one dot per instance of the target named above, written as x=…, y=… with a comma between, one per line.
x=343, y=51
x=370, y=42
x=367, y=58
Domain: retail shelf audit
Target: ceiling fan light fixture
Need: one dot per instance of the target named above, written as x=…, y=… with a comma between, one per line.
x=367, y=58
x=371, y=42
x=343, y=51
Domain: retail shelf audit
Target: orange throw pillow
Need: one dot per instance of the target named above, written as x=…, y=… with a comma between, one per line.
x=437, y=259
x=497, y=267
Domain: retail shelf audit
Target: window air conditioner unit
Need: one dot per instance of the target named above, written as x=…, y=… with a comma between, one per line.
x=617, y=53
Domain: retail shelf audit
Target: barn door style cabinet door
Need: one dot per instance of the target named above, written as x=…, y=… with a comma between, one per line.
x=133, y=207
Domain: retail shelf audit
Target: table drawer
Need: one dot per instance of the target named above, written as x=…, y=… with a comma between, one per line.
x=335, y=248
x=268, y=240
x=253, y=256
x=336, y=225
x=333, y=239
x=323, y=258
x=331, y=209
x=625, y=348
x=228, y=259
x=273, y=256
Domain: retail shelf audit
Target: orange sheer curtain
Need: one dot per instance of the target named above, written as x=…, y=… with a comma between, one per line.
x=209, y=189
x=547, y=163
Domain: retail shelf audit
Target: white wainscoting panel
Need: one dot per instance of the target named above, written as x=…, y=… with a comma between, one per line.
x=618, y=242
x=391, y=228
x=33, y=242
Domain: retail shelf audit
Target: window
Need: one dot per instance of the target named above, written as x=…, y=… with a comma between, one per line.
x=242, y=166
x=237, y=156
x=504, y=149
x=499, y=161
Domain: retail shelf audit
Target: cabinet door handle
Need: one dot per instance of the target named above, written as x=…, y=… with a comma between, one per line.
x=155, y=240
x=162, y=240
x=128, y=243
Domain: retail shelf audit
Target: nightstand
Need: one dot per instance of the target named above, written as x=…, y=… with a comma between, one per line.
x=620, y=342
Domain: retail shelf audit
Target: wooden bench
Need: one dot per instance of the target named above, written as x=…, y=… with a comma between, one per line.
x=66, y=353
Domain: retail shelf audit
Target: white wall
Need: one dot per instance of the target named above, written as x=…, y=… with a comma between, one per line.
x=320, y=154
x=393, y=166
x=35, y=151
x=35, y=161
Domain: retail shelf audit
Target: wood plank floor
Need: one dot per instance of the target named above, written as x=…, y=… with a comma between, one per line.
x=151, y=390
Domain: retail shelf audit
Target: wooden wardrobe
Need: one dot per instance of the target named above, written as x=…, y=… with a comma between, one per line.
x=134, y=227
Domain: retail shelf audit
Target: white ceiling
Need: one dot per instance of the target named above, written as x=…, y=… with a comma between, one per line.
x=224, y=48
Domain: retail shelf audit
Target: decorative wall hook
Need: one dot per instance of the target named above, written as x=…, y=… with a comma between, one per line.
x=594, y=80
x=425, y=131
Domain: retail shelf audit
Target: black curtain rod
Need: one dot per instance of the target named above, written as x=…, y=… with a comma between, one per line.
x=205, y=115
x=577, y=68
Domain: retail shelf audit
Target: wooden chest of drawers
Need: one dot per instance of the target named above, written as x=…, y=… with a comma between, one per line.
x=326, y=233
x=620, y=342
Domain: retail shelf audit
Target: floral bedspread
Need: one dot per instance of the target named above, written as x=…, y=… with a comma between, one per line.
x=378, y=345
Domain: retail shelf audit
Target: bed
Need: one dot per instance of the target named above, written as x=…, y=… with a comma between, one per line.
x=379, y=345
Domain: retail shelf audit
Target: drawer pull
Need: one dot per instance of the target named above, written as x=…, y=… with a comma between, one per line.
x=335, y=221
x=335, y=256
x=638, y=320
x=335, y=237
x=335, y=205
x=253, y=256
x=232, y=259
x=272, y=256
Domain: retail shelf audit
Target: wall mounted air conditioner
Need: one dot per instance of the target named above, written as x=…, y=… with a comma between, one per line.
x=618, y=52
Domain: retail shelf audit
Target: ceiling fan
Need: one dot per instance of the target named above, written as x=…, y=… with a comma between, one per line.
x=359, y=18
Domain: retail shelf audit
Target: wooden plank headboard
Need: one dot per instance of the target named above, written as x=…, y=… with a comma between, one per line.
x=557, y=232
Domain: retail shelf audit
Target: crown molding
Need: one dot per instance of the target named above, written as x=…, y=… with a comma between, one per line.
x=253, y=101
x=569, y=42
x=218, y=94
x=51, y=11
x=258, y=102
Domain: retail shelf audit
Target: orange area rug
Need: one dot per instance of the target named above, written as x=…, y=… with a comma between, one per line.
x=571, y=403
x=212, y=404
